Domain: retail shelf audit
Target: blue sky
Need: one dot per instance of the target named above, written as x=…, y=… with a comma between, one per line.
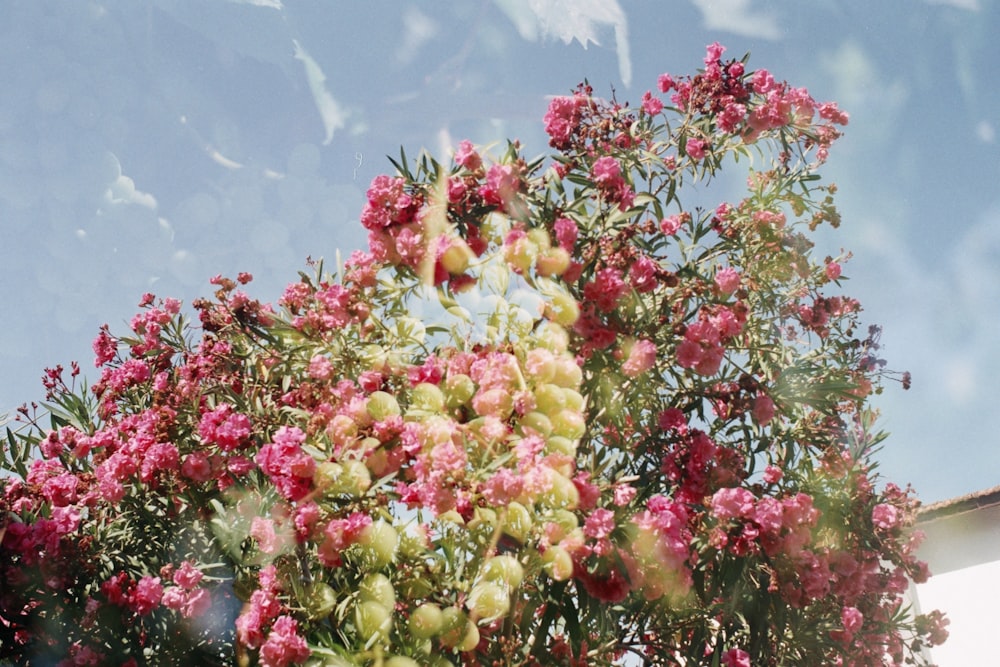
x=149, y=146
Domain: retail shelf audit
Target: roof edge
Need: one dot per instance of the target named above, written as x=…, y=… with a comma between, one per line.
x=967, y=503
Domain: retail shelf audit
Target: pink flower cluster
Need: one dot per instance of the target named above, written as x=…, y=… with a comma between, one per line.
x=623, y=447
x=606, y=173
x=289, y=468
x=703, y=346
x=562, y=120
x=263, y=625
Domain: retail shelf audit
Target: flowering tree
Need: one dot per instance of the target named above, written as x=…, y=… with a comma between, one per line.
x=634, y=430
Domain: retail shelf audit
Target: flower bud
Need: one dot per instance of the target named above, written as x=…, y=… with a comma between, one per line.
x=561, y=492
x=562, y=445
x=568, y=373
x=564, y=310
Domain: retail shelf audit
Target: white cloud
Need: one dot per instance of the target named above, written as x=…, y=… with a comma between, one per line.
x=122, y=189
x=567, y=20
x=333, y=115
x=971, y=5
x=419, y=29
x=272, y=4
x=864, y=91
x=986, y=132
x=738, y=17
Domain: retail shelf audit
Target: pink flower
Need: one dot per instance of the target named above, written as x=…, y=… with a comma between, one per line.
x=502, y=184
x=773, y=474
x=643, y=273
x=146, y=596
x=695, y=148
x=670, y=224
x=197, y=467
x=731, y=117
x=736, y=657
x=763, y=82
x=599, y=524
x=385, y=201
x=467, y=156
x=105, y=347
x=340, y=534
x=641, y=357
x=566, y=233
x=763, y=409
x=262, y=530
x=727, y=279
x=713, y=52
x=852, y=619
x=623, y=494
x=650, y=104
x=502, y=487
x=197, y=604
x=284, y=646
x=161, y=456
x=320, y=368
x=286, y=464
x=606, y=289
x=885, y=517
x=187, y=575
x=224, y=427
x=829, y=111
x=733, y=503
x=563, y=119
x=606, y=171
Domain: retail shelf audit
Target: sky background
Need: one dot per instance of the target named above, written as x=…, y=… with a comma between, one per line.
x=147, y=146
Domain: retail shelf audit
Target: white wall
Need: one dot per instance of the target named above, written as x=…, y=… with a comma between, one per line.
x=962, y=550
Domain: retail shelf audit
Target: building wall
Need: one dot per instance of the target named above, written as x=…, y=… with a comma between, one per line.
x=962, y=549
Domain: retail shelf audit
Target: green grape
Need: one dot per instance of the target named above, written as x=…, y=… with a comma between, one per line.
x=517, y=521
x=376, y=587
x=372, y=619
x=426, y=621
x=320, y=600
x=458, y=389
x=537, y=422
x=489, y=601
x=504, y=568
x=427, y=397
x=381, y=405
x=379, y=542
x=557, y=563
x=549, y=399
x=568, y=424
